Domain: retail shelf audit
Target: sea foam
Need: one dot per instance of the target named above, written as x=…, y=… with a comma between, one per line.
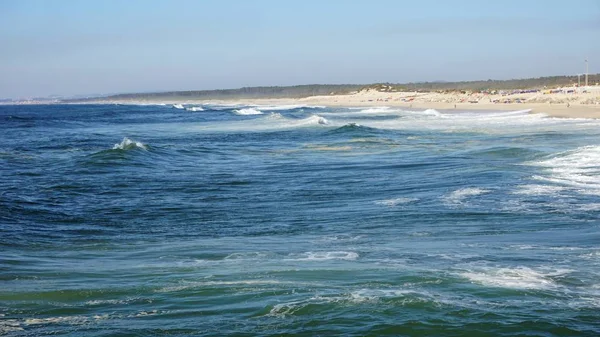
x=128, y=144
x=578, y=170
x=516, y=278
x=395, y=201
x=247, y=112
x=460, y=195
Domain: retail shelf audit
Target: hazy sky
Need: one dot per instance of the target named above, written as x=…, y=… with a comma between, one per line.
x=85, y=47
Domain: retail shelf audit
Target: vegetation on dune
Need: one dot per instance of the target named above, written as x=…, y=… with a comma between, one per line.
x=300, y=91
x=528, y=83
x=297, y=91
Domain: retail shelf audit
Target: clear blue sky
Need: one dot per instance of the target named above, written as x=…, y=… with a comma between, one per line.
x=71, y=47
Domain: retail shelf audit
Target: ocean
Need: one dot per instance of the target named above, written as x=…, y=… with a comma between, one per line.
x=213, y=219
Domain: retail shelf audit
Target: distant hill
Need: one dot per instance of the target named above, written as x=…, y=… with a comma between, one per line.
x=297, y=91
x=300, y=91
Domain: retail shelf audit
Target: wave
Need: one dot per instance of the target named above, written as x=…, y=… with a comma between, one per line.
x=178, y=106
x=223, y=106
x=128, y=144
x=427, y=112
x=247, y=112
x=339, y=238
x=494, y=114
x=204, y=284
x=357, y=297
x=518, y=122
x=195, y=108
x=383, y=109
x=249, y=256
x=509, y=113
x=275, y=115
x=504, y=152
x=286, y=107
x=324, y=256
x=536, y=189
x=458, y=196
x=352, y=128
x=578, y=170
x=395, y=202
x=268, y=122
x=516, y=278
x=9, y=325
x=311, y=120
x=431, y=112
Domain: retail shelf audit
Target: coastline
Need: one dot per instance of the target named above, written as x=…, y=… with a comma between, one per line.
x=569, y=103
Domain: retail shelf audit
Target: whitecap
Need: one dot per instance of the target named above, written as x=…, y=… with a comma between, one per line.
x=286, y=107
x=516, y=278
x=460, y=195
x=431, y=112
x=590, y=207
x=383, y=109
x=312, y=120
x=9, y=325
x=128, y=144
x=536, y=189
x=195, y=108
x=178, y=106
x=73, y=320
x=247, y=112
x=275, y=115
x=578, y=170
x=145, y=313
x=395, y=201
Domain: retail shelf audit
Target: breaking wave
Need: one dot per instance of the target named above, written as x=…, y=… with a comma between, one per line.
x=286, y=107
x=578, y=170
x=247, y=112
x=383, y=109
x=178, y=106
x=195, y=108
x=312, y=120
x=128, y=144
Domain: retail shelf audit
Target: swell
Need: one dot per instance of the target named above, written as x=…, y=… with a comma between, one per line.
x=354, y=129
x=120, y=153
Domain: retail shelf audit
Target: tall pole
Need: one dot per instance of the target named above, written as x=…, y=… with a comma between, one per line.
x=579, y=80
x=586, y=72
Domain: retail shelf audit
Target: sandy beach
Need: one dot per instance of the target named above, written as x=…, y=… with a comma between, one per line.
x=563, y=102
x=575, y=104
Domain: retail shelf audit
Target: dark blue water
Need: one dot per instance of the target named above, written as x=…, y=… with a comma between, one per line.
x=132, y=220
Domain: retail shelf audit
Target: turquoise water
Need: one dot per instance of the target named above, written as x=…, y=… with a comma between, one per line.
x=121, y=220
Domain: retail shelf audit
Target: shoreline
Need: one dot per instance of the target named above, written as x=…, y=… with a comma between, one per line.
x=551, y=110
x=584, y=104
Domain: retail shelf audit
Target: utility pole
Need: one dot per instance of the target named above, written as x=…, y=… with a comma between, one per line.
x=579, y=80
x=586, y=72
